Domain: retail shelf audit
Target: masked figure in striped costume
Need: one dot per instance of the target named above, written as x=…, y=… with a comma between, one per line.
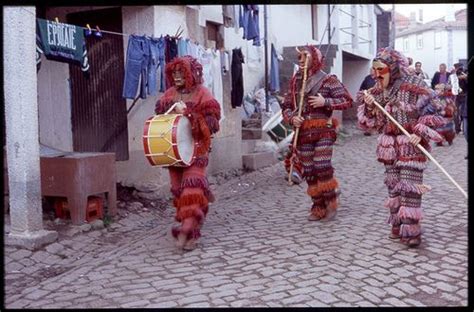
x=410, y=101
x=189, y=185
x=323, y=94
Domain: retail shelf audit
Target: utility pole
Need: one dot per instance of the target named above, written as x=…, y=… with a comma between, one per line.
x=265, y=29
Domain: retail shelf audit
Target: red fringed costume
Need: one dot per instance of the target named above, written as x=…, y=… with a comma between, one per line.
x=189, y=185
x=409, y=100
x=317, y=134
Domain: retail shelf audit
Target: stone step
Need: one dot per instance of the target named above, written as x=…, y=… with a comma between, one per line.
x=248, y=146
x=251, y=133
x=255, y=161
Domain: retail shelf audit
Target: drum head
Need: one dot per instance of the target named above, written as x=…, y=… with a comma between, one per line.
x=185, y=140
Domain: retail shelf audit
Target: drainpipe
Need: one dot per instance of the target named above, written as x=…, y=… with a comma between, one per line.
x=329, y=25
x=265, y=29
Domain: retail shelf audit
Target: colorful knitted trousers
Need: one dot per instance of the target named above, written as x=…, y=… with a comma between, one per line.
x=319, y=174
x=404, y=180
x=190, y=188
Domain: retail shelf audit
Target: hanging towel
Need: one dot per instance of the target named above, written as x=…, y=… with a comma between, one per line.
x=61, y=42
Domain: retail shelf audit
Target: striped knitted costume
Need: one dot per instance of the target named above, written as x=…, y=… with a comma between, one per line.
x=317, y=134
x=409, y=100
x=445, y=105
x=189, y=185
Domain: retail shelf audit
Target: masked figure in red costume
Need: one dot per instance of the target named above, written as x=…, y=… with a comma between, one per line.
x=189, y=185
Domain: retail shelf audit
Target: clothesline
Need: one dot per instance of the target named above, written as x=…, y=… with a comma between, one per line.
x=111, y=32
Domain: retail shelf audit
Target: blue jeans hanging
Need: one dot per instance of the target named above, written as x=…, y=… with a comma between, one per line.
x=157, y=59
x=136, y=67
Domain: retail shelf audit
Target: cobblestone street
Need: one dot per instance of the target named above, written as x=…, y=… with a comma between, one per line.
x=258, y=249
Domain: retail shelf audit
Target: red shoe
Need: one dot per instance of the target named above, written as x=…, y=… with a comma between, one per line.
x=414, y=242
x=395, y=233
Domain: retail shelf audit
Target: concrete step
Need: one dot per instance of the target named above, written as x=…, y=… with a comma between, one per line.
x=251, y=133
x=255, y=161
x=248, y=146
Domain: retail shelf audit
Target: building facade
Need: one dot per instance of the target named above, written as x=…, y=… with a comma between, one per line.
x=440, y=41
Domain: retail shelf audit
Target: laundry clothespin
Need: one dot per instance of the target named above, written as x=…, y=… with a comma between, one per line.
x=97, y=32
x=88, y=30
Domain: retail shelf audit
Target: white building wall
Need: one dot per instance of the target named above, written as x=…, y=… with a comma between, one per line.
x=290, y=25
x=460, y=45
x=431, y=57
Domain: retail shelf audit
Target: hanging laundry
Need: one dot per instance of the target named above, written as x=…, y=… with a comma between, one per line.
x=61, y=42
x=274, y=71
x=205, y=58
x=171, y=48
x=156, y=60
x=216, y=72
x=255, y=20
x=136, y=67
x=237, y=92
x=249, y=21
x=225, y=62
x=183, y=47
x=193, y=49
x=171, y=51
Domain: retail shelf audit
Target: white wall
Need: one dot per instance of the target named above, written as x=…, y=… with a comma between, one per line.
x=290, y=25
x=460, y=45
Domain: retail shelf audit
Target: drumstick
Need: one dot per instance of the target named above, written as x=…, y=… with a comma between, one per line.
x=171, y=108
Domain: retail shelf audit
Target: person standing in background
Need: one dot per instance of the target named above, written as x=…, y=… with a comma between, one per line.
x=440, y=76
x=368, y=82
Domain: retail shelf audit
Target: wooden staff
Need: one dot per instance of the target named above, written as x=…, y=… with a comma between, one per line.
x=418, y=145
x=300, y=110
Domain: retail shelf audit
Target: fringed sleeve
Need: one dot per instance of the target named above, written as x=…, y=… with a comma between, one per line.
x=368, y=119
x=212, y=114
x=340, y=98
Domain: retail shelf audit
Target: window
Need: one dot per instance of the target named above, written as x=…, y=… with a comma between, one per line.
x=419, y=41
x=314, y=21
x=214, y=38
x=437, y=43
x=406, y=45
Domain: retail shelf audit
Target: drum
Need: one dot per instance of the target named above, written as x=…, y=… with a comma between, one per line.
x=280, y=133
x=167, y=141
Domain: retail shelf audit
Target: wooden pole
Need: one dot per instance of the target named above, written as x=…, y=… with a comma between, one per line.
x=422, y=149
x=300, y=110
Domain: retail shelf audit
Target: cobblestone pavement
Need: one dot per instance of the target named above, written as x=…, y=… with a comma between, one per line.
x=259, y=250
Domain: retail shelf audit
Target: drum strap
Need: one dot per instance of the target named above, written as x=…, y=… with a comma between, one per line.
x=315, y=82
